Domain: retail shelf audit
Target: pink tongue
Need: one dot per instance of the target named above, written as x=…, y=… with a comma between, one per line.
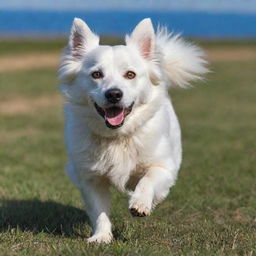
x=114, y=116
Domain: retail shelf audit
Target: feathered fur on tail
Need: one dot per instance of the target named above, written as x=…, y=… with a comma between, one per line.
x=181, y=62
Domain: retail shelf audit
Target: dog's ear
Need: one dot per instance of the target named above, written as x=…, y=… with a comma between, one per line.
x=143, y=37
x=81, y=39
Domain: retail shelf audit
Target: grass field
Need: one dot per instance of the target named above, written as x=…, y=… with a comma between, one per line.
x=210, y=211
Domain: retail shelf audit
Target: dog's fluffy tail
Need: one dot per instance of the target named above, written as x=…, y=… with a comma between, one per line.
x=181, y=62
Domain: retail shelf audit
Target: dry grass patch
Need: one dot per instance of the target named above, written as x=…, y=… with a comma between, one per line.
x=30, y=61
x=231, y=54
x=22, y=105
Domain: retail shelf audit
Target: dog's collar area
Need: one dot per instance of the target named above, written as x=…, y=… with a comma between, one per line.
x=114, y=116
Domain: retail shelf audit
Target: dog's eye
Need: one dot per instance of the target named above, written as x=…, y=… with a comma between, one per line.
x=97, y=74
x=129, y=75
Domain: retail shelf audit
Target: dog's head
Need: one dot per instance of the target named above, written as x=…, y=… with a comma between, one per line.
x=115, y=82
x=112, y=80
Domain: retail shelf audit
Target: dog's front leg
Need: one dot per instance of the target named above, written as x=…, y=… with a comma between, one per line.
x=152, y=188
x=97, y=202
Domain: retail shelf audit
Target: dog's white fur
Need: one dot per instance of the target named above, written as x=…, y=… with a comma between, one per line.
x=144, y=155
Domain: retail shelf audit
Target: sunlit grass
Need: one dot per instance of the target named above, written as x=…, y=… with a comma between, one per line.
x=210, y=211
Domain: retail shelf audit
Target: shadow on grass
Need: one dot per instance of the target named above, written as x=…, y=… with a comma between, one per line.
x=38, y=216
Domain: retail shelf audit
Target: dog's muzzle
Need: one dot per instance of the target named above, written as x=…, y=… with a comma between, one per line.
x=113, y=95
x=114, y=116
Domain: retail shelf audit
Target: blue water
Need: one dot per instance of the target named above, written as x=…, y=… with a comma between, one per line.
x=194, y=24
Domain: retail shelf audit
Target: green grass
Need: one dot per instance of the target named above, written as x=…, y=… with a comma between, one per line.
x=230, y=44
x=210, y=211
x=56, y=45
x=20, y=47
x=11, y=47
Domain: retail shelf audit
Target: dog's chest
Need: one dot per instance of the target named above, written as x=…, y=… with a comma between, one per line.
x=116, y=159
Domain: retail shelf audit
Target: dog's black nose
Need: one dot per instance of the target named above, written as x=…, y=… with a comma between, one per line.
x=114, y=95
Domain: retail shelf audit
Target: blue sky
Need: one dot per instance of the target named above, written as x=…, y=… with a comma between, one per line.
x=244, y=6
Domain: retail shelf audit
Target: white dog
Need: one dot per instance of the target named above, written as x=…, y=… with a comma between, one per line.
x=121, y=128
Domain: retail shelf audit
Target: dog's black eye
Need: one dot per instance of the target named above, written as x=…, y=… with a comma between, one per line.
x=97, y=74
x=129, y=75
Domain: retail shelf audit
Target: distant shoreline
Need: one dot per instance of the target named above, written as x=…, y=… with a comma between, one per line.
x=38, y=23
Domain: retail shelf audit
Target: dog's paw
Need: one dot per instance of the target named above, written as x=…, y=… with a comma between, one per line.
x=100, y=238
x=139, y=209
x=135, y=213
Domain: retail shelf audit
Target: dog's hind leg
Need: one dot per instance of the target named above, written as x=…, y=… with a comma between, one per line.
x=152, y=188
x=97, y=202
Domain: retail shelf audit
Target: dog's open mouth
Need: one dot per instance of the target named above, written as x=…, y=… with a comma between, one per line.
x=114, y=116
